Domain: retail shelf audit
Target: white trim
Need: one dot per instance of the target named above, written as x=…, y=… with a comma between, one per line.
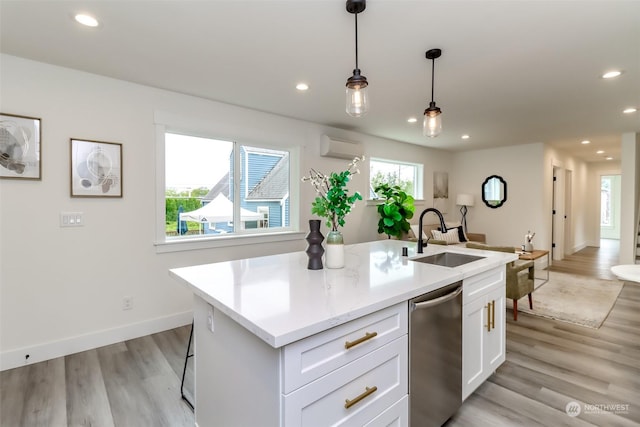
x=223, y=241
x=50, y=350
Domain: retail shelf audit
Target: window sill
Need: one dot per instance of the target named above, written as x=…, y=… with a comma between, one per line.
x=376, y=202
x=190, y=244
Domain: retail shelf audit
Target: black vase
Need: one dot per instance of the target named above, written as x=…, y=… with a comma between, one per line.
x=315, y=249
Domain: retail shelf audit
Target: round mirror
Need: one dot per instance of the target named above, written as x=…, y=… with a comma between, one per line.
x=494, y=191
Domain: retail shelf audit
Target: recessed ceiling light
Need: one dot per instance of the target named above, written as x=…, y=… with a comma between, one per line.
x=302, y=87
x=600, y=152
x=629, y=110
x=412, y=120
x=87, y=20
x=611, y=74
x=609, y=158
x=585, y=142
x=465, y=136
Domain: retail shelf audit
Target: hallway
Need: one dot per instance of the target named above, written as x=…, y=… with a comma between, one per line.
x=591, y=261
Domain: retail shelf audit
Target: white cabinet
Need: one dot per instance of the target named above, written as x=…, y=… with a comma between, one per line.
x=352, y=374
x=483, y=328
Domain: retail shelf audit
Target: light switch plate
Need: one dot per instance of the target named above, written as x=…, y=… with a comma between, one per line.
x=71, y=219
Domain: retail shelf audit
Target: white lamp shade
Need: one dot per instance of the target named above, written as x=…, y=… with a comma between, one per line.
x=464, y=200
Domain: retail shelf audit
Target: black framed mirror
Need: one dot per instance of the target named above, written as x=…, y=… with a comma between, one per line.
x=494, y=191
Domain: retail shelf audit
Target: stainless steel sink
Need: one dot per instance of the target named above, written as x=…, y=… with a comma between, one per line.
x=448, y=259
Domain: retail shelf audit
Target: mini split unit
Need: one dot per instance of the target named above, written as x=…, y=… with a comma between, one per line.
x=339, y=148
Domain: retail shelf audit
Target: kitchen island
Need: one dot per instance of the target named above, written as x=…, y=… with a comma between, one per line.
x=277, y=344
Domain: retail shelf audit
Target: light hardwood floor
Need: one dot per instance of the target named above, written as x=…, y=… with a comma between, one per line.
x=549, y=364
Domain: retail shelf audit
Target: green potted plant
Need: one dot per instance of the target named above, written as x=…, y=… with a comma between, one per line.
x=397, y=209
x=334, y=203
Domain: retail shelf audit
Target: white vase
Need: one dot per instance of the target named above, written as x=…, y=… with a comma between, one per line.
x=334, y=250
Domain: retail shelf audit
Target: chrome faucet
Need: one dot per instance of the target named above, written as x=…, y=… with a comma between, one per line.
x=443, y=226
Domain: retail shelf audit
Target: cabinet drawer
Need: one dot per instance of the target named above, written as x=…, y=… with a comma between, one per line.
x=309, y=359
x=379, y=378
x=482, y=283
x=396, y=416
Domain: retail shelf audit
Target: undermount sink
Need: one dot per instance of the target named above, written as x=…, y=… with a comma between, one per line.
x=448, y=259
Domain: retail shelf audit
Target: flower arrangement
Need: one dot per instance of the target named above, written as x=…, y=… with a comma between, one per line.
x=333, y=201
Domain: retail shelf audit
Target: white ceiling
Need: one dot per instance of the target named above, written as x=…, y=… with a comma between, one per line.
x=511, y=72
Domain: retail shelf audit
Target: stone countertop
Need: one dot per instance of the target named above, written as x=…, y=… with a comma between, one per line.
x=280, y=301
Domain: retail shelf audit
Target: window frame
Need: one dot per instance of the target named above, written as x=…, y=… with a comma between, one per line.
x=170, y=123
x=418, y=178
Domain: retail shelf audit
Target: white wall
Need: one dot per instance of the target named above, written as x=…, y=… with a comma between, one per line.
x=578, y=223
x=520, y=167
x=630, y=206
x=61, y=289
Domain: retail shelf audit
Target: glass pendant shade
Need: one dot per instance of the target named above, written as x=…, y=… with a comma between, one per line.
x=432, y=125
x=357, y=95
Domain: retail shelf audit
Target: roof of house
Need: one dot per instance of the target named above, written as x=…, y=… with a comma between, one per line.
x=275, y=184
x=221, y=187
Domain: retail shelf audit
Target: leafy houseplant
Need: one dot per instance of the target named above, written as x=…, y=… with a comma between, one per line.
x=398, y=207
x=333, y=201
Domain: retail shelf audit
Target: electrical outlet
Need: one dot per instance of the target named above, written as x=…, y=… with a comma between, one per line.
x=127, y=303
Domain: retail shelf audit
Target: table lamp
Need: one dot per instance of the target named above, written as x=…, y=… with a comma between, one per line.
x=464, y=200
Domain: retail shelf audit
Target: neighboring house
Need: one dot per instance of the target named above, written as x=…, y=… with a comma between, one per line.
x=264, y=188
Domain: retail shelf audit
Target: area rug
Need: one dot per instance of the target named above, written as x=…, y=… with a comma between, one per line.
x=571, y=298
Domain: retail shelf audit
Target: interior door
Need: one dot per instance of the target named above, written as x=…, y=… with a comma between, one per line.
x=557, y=227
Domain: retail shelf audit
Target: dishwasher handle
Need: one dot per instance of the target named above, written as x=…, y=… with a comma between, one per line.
x=437, y=301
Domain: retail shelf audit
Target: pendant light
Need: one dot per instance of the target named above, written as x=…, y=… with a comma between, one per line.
x=432, y=125
x=357, y=96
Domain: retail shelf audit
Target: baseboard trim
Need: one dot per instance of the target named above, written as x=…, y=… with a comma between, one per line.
x=50, y=350
x=579, y=248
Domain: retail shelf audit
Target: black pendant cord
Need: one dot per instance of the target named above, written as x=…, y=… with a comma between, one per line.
x=433, y=70
x=356, y=15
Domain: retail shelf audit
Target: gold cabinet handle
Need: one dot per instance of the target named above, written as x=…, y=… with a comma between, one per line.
x=488, y=325
x=367, y=336
x=493, y=314
x=349, y=403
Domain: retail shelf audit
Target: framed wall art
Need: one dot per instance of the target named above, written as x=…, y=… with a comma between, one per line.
x=441, y=191
x=96, y=168
x=20, y=154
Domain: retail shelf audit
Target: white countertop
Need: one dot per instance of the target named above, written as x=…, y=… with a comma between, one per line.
x=281, y=301
x=627, y=272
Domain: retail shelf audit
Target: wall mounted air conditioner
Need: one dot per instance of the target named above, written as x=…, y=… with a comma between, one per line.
x=339, y=148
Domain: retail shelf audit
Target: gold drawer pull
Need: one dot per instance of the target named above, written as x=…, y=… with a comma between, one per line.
x=367, y=336
x=488, y=317
x=493, y=314
x=349, y=403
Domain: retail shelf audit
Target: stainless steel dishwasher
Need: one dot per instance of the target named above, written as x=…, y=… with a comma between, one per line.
x=435, y=356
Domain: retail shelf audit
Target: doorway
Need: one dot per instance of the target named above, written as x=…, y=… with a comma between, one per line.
x=610, y=202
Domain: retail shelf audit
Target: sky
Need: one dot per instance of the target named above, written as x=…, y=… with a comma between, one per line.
x=193, y=162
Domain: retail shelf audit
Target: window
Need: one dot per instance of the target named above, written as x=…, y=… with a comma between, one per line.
x=606, y=201
x=217, y=188
x=407, y=176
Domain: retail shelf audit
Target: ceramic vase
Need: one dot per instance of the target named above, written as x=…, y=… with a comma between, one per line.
x=315, y=249
x=528, y=247
x=334, y=256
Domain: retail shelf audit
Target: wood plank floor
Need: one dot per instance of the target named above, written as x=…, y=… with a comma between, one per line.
x=551, y=363
x=136, y=383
